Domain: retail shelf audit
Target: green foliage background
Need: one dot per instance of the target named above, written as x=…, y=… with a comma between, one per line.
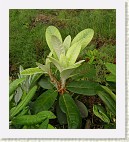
x=27, y=27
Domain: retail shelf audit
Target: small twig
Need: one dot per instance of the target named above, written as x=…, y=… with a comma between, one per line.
x=54, y=80
x=59, y=85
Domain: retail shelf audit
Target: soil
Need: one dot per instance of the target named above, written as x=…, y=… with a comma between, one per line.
x=91, y=122
x=100, y=42
x=47, y=19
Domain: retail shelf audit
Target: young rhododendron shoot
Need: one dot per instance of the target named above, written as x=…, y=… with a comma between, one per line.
x=63, y=55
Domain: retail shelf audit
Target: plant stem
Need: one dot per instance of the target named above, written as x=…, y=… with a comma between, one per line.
x=59, y=85
x=63, y=83
x=54, y=81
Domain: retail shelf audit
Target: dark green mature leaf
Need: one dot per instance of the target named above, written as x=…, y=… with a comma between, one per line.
x=33, y=119
x=34, y=79
x=61, y=116
x=14, y=85
x=11, y=97
x=84, y=87
x=111, y=78
x=23, y=103
x=109, y=102
x=111, y=67
x=44, y=124
x=112, y=86
x=110, y=126
x=69, y=107
x=44, y=101
x=24, y=111
x=45, y=83
x=84, y=71
x=50, y=127
x=109, y=92
x=83, y=109
x=100, y=112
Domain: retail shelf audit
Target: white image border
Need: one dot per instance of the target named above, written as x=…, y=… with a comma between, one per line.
x=119, y=132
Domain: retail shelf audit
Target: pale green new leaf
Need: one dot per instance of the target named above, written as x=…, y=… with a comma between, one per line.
x=67, y=42
x=47, y=62
x=47, y=59
x=83, y=37
x=51, y=30
x=63, y=61
x=73, y=53
x=20, y=70
x=56, y=63
x=45, y=68
x=77, y=64
x=57, y=46
x=31, y=71
x=109, y=92
x=66, y=72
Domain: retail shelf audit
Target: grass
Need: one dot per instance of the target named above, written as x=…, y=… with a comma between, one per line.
x=27, y=31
